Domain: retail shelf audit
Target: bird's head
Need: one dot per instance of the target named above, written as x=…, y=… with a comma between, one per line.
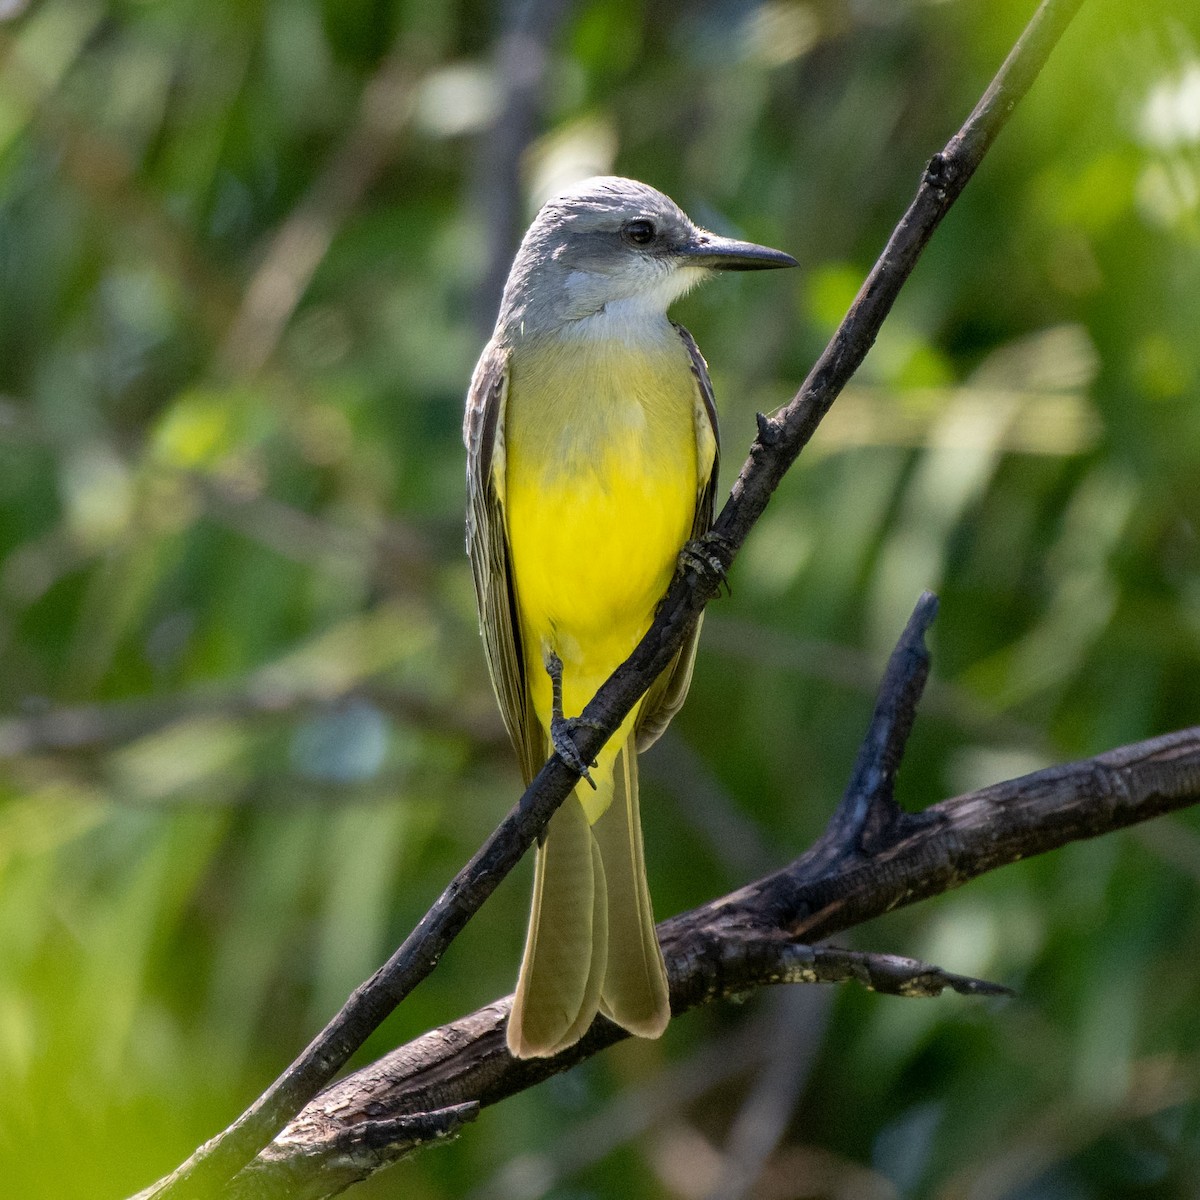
x=615, y=244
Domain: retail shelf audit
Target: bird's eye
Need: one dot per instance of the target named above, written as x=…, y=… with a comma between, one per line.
x=640, y=232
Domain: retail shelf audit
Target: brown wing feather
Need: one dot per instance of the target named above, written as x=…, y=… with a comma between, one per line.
x=666, y=696
x=487, y=548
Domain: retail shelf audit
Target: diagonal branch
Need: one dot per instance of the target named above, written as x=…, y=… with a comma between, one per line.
x=780, y=440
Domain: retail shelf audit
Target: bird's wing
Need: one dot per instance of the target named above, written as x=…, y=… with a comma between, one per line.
x=487, y=548
x=667, y=693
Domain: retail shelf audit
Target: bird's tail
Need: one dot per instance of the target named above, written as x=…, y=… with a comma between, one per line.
x=591, y=945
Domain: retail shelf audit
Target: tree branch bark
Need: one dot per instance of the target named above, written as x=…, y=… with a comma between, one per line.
x=780, y=440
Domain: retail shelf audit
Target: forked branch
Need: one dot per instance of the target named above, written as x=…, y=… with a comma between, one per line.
x=873, y=857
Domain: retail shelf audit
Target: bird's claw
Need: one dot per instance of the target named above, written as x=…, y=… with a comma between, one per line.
x=562, y=729
x=562, y=737
x=707, y=556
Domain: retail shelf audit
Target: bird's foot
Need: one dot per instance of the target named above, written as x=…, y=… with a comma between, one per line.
x=562, y=729
x=707, y=555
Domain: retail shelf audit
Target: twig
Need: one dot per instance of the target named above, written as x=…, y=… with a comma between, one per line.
x=868, y=809
x=780, y=440
x=953, y=841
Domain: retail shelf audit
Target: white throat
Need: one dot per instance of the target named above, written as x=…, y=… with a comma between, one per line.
x=638, y=318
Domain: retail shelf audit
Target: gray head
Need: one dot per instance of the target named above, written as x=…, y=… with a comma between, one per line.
x=616, y=247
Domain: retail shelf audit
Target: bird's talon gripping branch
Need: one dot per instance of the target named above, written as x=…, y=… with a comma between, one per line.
x=562, y=729
x=707, y=555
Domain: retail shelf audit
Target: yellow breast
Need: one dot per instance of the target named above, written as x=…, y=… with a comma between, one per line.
x=601, y=483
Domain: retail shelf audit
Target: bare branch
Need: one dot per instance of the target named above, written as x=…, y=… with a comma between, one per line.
x=735, y=944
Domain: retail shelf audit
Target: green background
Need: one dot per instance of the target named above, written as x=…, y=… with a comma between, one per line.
x=249, y=251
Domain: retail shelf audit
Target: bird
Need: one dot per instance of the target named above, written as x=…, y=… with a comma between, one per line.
x=592, y=455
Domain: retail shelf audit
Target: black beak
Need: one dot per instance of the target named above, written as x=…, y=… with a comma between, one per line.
x=727, y=254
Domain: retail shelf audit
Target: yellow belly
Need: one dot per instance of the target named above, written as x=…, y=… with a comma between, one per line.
x=600, y=496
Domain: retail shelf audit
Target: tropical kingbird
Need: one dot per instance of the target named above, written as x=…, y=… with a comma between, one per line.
x=592, y=454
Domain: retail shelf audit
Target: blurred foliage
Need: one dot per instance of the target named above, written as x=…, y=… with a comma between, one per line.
x=248, y=253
